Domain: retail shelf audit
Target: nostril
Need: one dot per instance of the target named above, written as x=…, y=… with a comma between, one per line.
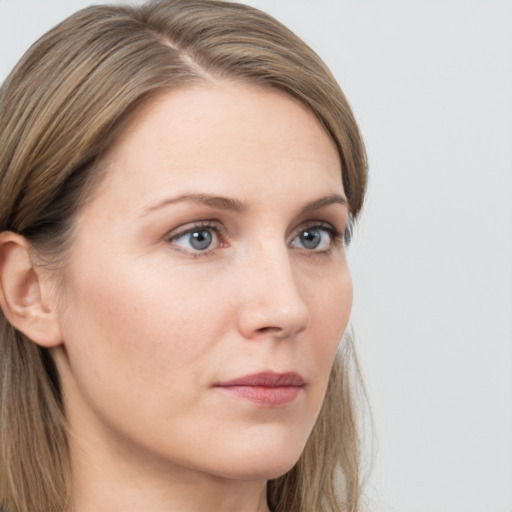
x=282, y=314
x=277, y=332
x=265, y=330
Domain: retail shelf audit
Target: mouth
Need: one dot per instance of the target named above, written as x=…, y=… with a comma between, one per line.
x=266, y=389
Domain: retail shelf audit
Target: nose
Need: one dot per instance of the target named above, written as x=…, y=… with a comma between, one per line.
x=272, y=300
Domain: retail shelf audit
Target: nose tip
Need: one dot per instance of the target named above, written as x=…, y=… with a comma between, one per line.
x=266, y=320
x=273, y=307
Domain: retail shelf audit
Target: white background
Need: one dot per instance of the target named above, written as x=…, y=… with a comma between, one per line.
x=431, y=85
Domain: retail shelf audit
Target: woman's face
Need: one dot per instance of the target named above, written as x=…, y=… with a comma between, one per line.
x=207, y=287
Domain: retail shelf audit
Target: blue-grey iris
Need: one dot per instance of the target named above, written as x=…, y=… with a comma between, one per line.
x=311, y=238
x=200, y=240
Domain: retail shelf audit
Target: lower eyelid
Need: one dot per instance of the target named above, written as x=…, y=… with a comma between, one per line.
x=220, y=239
x=336, y=237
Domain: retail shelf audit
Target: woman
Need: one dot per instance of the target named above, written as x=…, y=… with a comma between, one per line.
x=177, y=181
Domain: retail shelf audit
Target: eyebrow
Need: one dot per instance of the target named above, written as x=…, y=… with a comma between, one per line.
x=324, y=201
x=229, y=204
x=218, y=202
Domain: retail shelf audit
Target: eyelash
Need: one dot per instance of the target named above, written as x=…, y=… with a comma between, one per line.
x=207, y=225
x=337, y=238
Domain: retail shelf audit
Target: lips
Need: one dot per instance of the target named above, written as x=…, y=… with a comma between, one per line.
x=267, y=389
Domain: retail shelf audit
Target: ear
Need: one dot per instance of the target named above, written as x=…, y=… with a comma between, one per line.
x=21, y=293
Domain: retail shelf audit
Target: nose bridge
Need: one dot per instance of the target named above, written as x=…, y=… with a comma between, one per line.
x=273, y=301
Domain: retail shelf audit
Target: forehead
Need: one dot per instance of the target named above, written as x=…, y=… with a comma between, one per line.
x=222, y=134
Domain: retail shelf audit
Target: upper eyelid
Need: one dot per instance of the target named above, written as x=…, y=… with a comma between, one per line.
x=183, y=231
x=314, y=222
x=344, y=235
x=322, y=224
x=192, y=226
x=219, y=228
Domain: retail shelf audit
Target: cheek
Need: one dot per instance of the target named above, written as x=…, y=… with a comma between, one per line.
x=144, y=340
x=120, y=325
x=331, y=307
x=139, y=350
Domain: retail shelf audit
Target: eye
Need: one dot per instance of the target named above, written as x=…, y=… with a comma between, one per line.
x=197, y=239
x=315, y=238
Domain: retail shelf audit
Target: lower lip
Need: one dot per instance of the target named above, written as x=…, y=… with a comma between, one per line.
x=265, y=396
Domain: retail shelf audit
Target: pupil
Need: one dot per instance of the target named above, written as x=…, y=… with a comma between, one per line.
x=311, y=239
x=200, y=240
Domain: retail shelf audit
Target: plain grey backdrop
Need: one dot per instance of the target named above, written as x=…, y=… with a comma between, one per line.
x=431, y=86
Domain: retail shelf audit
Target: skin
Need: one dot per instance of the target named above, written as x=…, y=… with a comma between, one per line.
x=148, y=324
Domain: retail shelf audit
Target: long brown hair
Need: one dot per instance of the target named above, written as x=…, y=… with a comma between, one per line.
x=60, y=110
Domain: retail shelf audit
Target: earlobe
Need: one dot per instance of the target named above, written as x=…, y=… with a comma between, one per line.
x=21, y=297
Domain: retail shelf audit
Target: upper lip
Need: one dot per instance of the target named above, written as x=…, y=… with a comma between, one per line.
x=267, y=379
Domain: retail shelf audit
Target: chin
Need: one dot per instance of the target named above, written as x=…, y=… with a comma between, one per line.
x=269, y=470
x=261, y=460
